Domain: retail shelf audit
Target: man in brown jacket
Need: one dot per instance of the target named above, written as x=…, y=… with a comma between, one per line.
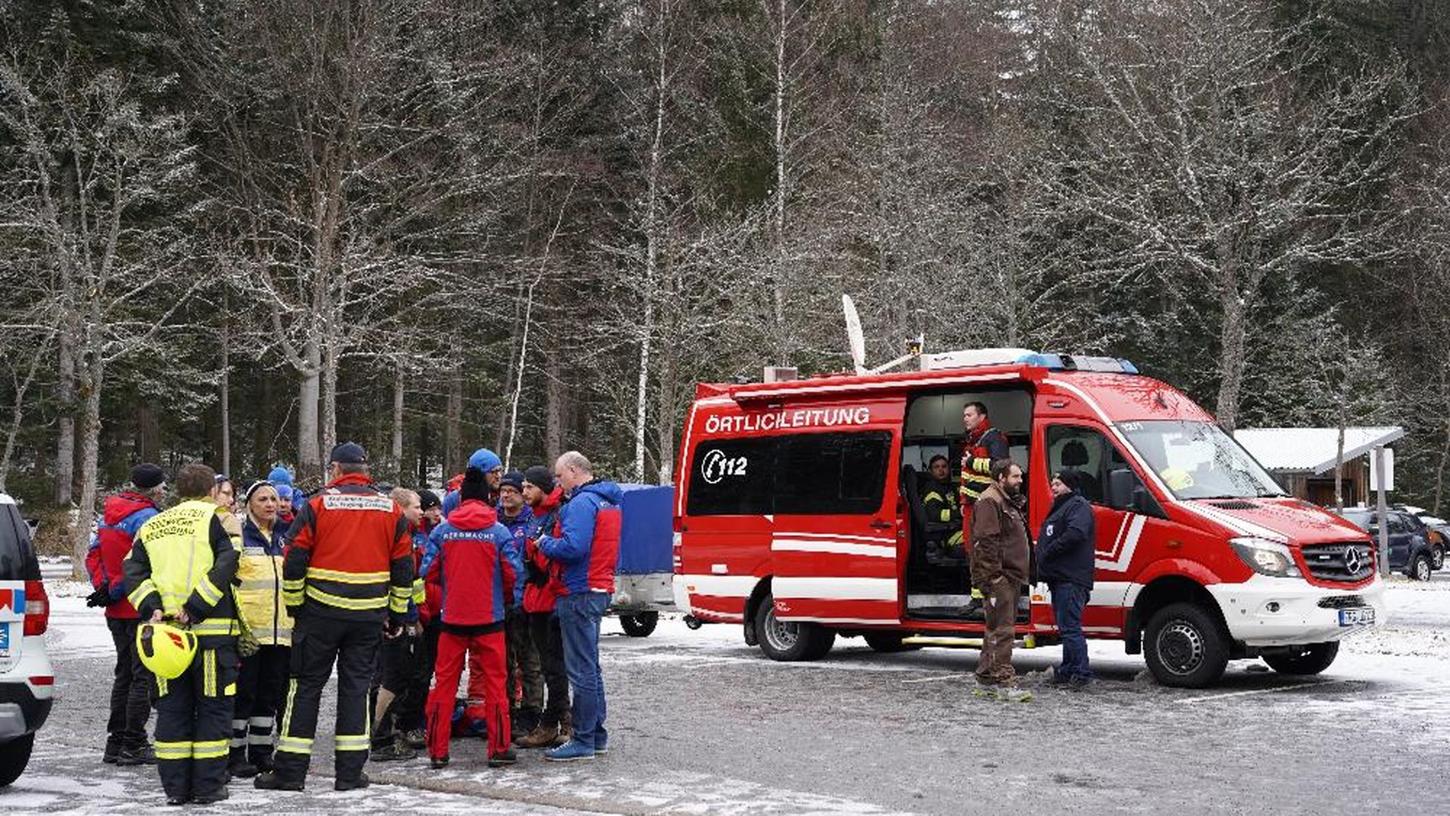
x=1000, y=558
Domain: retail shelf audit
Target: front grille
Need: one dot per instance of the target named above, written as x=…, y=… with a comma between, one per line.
x=1342, y=602
x=1330, y=562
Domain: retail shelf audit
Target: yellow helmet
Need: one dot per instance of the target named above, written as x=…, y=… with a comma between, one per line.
x=165, y=649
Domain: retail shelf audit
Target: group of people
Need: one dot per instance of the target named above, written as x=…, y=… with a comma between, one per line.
x=229, y=611
x=991, y=506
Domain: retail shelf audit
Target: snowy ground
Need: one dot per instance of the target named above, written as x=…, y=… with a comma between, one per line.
x=703, y=724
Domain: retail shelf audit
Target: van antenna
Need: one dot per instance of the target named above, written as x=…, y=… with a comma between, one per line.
x=858, y=342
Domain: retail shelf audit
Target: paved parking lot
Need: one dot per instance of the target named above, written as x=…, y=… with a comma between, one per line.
x=703, y=724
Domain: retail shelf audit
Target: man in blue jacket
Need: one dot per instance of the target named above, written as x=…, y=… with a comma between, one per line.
x=1065, y=562
x=588, y=550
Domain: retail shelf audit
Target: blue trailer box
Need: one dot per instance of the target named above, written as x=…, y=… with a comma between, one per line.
x=646, y=535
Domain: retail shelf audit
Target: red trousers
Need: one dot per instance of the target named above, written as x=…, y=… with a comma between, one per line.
x=488, y=661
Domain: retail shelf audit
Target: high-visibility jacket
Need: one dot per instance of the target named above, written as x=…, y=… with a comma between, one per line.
x=981, y=449
x=939, y=501
x=349, y=555
x=183, y=558
x=259, y=585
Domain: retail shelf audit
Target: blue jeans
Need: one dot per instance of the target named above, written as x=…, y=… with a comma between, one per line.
x=579, y=617
x=1068, y=601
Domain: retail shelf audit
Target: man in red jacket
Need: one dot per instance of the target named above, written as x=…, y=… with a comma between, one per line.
x=541, y=592
x=121, y=518
x=478, y=570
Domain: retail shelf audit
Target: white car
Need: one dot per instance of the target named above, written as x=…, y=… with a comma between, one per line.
x=27, y=682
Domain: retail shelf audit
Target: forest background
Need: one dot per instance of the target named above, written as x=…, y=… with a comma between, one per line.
x=242, y=230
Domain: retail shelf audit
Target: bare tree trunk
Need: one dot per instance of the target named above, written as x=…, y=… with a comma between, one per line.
x=652, y=242
x=1440, y=470
x=511, y=373
x=782, y=351
x=453, y=424
x=1339, y=463
x=665, y=424
x=400, y=383
x=329, y=396
x=1231, y=353
x=65, y=445
x=18, y=411
x=309, y=456
x=226, y=395
x=90, y=454
x=522, y=364
x=554, y=408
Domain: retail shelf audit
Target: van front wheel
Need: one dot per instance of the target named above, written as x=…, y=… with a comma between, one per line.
x=1185, y=646
x=790, y=640
x=639, y=624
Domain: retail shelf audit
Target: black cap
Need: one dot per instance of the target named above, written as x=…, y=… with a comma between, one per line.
x=1071, y=478
x=349, y=453
x=428, y=499
x=513, y=479
x=147, y=476
x=540, y=477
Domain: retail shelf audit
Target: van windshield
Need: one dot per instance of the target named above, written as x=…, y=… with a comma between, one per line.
x=1197, y=460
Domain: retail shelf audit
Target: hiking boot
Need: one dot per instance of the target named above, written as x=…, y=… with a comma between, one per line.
x=271, y=781
x=396, y=751
x=499, y=760
x=351, y=784
x=262, y=760
x=438, y=762
x=113, y=748
x=1079, y=681
x=242, y=769
x=541, y=737
x=177, y=801
x=569, y=752
x=416, y=738
x=219, y=795
x=138, y=755
x=566, y=732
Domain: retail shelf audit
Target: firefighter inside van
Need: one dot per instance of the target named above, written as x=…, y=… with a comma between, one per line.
x=940, y=499
x=984, y=443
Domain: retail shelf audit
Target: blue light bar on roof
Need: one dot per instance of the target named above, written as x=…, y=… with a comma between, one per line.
x=1066, y=362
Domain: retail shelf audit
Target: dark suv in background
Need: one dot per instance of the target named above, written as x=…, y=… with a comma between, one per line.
x=1410, y=549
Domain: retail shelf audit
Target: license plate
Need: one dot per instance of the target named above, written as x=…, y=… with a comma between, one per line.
x=4, y=640
x=1359, y=616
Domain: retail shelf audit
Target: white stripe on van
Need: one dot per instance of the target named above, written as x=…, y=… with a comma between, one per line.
x=834, y=589
x=831, y=546
x=720, y=586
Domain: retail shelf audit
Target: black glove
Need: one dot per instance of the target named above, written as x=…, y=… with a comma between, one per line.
x=99, y=598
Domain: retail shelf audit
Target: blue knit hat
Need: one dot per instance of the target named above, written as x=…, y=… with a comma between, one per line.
x=484, y=460
x=280, y=476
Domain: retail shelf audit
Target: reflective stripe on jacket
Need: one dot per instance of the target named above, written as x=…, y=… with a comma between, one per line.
x=349, y=554
x=183, y=558
x=977, y=457
x=259, y=586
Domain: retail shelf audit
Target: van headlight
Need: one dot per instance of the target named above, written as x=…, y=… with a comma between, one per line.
x=1266, y=557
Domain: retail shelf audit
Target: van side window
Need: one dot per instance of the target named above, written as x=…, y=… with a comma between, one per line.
x=1081, y=449
x=808, y=474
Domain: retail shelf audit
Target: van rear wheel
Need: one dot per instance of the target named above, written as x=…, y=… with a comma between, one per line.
x=1185, y=646
x=790, y=640
x=1311, y=658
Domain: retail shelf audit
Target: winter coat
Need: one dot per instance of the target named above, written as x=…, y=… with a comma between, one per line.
x=518, y=528
x=121, y=518
x=999, y=540
x=259, y=584
x=469, y=554
x=1065, y=547
x=545, y=578
x=588, y=542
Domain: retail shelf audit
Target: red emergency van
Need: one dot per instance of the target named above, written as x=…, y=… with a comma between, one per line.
x=798, y=514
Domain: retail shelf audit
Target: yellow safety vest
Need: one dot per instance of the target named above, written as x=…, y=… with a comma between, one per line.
x=178, y=547
x=259, y=597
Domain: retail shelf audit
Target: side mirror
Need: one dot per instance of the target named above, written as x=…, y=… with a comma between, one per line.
x=1121, y=483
